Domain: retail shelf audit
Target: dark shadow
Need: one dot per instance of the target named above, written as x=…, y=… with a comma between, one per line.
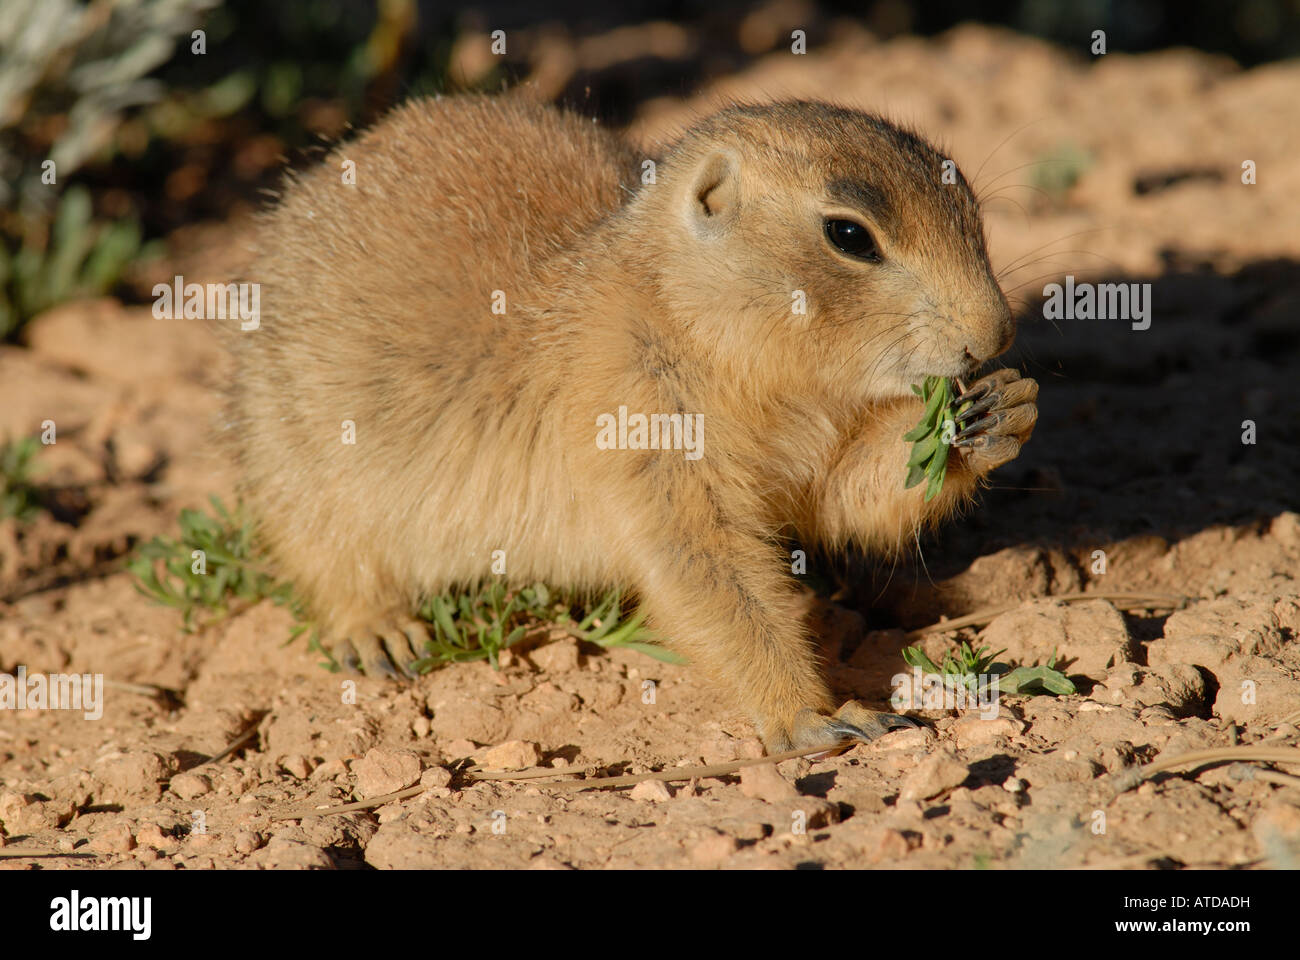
x=991, y=770
x=816, y=785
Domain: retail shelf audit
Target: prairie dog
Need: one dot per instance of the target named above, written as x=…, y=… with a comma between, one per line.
x=793, y=269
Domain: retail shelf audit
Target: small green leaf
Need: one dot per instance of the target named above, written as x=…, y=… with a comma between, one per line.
x=923, y=451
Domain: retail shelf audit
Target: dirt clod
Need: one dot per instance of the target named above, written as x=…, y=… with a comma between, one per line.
x=383, y=771
x=935, y=774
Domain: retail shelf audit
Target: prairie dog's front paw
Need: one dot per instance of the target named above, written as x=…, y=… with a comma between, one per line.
x=1000, y=418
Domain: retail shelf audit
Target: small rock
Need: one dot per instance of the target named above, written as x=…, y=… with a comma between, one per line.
x=459, y=749
x=651, y=791
x=22, y=813
x=383, y=771
x=132, y=454
x=816, y=812
x=16, y=815
x=289, y=854
x=512, y=755
x=719, y=748
x=884, y=843
x=421, y=726
x=296, y=765
x=558, y=657
x=1092, y=633
x=330, y=769
x=246, y=841
x=1277, y=831
x=133, y=775
x=907, y=810
x=1261, y=689
x=907, y=738
x=1286, y=527
x=973, y=730
x=435, y=777
x=1043, y=771
x=187, y=786
x=115, y=838
x=1211, y=633
x=937, y=773
x=714, y=848
x=151, y=835
x=764, y=782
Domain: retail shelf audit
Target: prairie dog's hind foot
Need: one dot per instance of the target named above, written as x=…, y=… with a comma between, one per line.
x=385, y=647
x=851, y=722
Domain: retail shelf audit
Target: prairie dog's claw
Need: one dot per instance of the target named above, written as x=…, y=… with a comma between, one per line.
x=388, y=651
x=851, y=722
x=1008, y=402
x=978, y=406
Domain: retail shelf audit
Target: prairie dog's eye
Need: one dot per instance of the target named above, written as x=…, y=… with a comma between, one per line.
x=852, y=238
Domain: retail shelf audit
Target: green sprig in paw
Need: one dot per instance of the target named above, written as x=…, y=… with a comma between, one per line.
x=932, y=436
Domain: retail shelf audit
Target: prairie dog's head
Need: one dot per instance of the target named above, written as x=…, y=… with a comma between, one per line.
x=763, y=211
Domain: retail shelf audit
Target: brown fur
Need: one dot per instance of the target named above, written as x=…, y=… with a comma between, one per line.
x=476, y=432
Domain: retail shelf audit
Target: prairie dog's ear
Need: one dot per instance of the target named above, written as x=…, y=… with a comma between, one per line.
x=715, y=191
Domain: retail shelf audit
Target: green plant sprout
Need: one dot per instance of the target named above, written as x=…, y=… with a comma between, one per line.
x=932, y=436
x=465, y=625
x=969, y=664
x=82, y=258
x=18, y=495
x=476, y=625
x=213, y=562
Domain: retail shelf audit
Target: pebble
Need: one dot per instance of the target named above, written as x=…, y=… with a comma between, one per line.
x=435, y=777
x=296, y=765
x=383, y=771
x=884, y=843
x=512, y=755
x=187, y=786
x=936, y=774
x=714, y=848
x=115, y=838
x=764, y=782
x=558, y=657
x=651, y=791
x=459, y=749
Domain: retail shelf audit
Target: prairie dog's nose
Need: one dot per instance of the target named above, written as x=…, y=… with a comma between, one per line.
x=989, y=332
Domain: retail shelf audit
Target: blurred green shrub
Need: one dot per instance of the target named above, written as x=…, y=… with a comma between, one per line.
x=83, y=64
x=82, y=258
x=68, y=70
x=18, y=494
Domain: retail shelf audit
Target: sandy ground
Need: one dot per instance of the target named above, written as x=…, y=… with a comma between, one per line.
x=1138, y=453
